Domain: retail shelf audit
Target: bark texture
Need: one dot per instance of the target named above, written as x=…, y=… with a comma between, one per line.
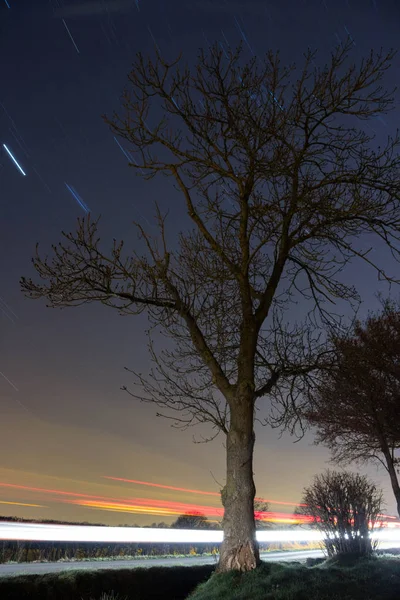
x=393, y=477
x=239, y=550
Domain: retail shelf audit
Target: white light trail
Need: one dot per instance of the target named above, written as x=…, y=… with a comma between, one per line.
x=82, y=533
x=9, y=381
x=77, y=197
x=70, y=35
x=123, y=150
x=14, y=159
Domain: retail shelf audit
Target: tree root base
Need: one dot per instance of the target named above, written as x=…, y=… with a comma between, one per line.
x=241, y=558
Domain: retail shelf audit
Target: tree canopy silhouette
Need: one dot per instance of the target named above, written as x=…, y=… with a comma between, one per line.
x=356, y=406
x=193, y=520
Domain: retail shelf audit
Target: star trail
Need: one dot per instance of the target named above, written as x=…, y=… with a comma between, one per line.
x=10, y=154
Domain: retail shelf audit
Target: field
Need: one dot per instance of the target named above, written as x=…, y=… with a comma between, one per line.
x=24, y=551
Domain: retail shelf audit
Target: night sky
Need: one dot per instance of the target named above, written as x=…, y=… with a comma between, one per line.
x=65, y=423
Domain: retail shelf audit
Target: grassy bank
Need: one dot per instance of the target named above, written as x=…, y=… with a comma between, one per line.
x=166, y=583
x=373, y=579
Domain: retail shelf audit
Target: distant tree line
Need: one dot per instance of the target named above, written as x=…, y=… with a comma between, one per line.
x=57, y=522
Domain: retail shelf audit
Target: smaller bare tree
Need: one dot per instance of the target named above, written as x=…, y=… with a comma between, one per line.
x=355, y=406
x=346, y=508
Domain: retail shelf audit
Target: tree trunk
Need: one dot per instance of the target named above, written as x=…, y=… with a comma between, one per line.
x=393, y=477
x=239, y=550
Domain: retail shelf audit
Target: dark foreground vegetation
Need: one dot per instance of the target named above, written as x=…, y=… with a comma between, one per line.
x=166, y=583
x=376, y=578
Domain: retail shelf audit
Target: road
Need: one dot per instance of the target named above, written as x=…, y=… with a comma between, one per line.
x=41, y=568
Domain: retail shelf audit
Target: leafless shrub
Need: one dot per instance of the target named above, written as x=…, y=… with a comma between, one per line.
x=346, y=508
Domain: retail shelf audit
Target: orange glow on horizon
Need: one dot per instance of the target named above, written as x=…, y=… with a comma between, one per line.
x=147, y=505
x=154, y=507
x=188, y=490
x=151, y=506
x=106, y=499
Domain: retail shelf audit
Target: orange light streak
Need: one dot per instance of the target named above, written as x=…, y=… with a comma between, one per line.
x=151, y=505
x=140, y=506
x=129, y=508
x=188, y=490
x=182, y=507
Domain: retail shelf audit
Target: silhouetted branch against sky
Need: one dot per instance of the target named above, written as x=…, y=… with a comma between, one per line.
x=282, y=189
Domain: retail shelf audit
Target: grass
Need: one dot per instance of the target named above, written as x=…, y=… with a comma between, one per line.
x=154, y=583
x=141, y=557
x=373, y=579
x=110, y=596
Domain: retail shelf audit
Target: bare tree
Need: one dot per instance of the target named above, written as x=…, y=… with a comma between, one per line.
x=279, y=189
x=356, y=406
x=346, y=508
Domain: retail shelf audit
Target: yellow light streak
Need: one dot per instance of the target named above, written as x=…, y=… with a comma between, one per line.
x=23, y=504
